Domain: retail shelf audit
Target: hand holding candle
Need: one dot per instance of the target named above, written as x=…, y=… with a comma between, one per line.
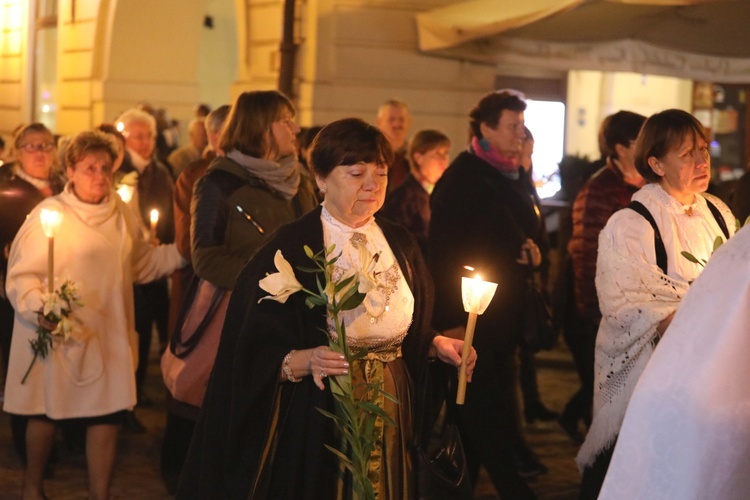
x=51, y=220
x=476, y=295
x=154, y=221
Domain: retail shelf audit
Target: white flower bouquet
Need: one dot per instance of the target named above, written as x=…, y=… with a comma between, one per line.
x=56, y=321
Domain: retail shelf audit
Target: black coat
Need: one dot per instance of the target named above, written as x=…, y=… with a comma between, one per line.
x=480, y=218
x=226, y=458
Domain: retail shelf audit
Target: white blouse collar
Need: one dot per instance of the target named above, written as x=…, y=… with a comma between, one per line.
x=365, y=228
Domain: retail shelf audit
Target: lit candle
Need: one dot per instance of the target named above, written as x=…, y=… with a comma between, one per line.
x=125, y=192
x=476, y=295
x=51, y=220
x=154, y=221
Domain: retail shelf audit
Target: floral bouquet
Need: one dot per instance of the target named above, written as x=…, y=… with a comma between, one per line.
x=356, y=409
x=55, y=320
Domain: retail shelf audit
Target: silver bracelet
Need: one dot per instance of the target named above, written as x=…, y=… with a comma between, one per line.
x=287, y=369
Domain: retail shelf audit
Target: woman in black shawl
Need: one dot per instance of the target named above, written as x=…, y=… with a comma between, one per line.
x=260, y=434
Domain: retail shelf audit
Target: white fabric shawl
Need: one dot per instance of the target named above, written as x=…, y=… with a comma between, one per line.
x=686, y=434
x=635, y=296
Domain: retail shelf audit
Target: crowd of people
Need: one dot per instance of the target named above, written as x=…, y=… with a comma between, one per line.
x=185, y=240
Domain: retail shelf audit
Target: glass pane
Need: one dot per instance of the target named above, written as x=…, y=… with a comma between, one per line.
x=546, y=121
x=45, y=78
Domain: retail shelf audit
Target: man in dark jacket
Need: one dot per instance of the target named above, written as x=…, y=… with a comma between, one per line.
x=155, y=188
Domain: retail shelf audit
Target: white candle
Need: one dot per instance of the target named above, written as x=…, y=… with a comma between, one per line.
x=50, y=220
x=154, y=221
x=476, y=295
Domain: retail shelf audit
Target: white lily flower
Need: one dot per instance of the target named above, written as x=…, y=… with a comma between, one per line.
x=52, y=304
x=366, y=273
x=64, y=327
x=281, y=284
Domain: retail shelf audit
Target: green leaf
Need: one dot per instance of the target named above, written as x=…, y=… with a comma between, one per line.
x=330, y=415
x=315, y=300
x=373, y=408
x=308, y=269
x=718, y=242
x=343, y=458
x=690, y=257
x=351, y=299
x=343, y=283
x=389, y=397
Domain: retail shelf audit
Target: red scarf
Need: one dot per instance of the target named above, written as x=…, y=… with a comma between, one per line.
x=485, y=151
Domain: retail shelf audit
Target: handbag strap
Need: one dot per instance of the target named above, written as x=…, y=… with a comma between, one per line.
x=177, y=346
x=661, y=252
x=719, y=218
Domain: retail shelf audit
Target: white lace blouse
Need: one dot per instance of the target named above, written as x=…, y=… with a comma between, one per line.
x=384, y=317
x=634, y=296
x=688, y=228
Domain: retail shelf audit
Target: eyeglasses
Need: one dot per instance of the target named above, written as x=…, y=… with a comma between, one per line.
x=45, y=147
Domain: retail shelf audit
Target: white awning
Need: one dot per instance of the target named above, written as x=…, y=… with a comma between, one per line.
x=696, y=39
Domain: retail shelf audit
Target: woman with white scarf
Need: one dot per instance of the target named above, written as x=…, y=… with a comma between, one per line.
x=641, y=274
x=88, y=373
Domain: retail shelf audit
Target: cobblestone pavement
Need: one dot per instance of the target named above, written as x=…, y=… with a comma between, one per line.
x=137, y=465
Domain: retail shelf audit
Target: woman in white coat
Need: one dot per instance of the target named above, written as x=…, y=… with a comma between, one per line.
x=89, y=376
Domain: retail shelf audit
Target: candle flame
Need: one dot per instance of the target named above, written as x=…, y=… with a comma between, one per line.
x=477, y=277
x=476, y=294
x=125, y=193
x=154, y=216
x=51, y=220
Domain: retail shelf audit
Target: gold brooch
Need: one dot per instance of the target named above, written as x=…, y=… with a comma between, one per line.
x=357, y=239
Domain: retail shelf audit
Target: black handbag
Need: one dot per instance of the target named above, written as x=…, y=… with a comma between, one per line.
x=439, y=460
x=538, y=329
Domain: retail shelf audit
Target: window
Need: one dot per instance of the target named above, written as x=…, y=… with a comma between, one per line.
x=546, y=121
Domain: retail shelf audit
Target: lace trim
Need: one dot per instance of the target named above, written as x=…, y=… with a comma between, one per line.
x=671, y=203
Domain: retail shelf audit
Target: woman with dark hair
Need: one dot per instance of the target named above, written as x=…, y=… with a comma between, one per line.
x=409, y=203
x=641, y=275
x=607, y=191
x=484, y=217
x=87, y=375
x=260, y=434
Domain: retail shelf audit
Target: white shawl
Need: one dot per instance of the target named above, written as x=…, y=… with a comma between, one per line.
x=635, y=296
x=686, y=434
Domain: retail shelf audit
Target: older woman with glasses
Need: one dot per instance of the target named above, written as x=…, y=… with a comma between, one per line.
x=24, y=183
